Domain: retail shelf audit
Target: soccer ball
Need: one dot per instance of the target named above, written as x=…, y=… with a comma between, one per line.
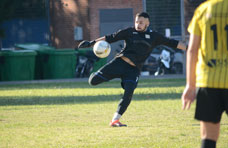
x=102, y=49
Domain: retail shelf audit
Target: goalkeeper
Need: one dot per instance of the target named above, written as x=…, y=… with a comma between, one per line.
x=139, y=40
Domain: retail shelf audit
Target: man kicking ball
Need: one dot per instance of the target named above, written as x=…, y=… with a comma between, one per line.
x=139, y=43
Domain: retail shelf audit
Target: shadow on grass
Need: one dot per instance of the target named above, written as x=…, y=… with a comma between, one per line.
x=111, y=84
x=15, y=100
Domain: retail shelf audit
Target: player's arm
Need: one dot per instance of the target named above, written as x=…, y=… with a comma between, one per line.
x=100, y=39
x=192, y=57
x=119, y=35
x=86, y=44
x=181, y=45
x=162, y=40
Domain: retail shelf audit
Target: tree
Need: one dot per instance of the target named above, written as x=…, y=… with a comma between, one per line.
x=7, y=8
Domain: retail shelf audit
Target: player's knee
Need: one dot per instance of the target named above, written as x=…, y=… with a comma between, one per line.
x=95, y=79
x=129, y=85
x=92, y=79
x=210, y=130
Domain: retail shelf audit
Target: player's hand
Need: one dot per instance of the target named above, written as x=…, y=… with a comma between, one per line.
x=86, y=44
x=188, y=97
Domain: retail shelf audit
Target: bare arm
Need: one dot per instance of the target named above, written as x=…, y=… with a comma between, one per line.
x=100, y=39
x=181, y=45
x=192, y=58
x=189, y=93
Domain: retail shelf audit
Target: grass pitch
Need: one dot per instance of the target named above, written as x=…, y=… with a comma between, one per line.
x=74, y=114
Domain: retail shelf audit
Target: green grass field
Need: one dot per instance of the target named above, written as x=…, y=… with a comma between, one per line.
x=74, y=114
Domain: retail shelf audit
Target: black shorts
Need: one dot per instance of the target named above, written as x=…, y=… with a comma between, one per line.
x=118, y=68
x=210, y=104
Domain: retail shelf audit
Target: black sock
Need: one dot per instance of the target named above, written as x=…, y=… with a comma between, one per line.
x=207, y=143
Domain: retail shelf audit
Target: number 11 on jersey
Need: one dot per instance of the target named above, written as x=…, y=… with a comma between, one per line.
x=214, y=29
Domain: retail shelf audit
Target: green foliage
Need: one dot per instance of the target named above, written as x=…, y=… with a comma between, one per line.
x=7, y=8
x=30, y=9
x=75, y=114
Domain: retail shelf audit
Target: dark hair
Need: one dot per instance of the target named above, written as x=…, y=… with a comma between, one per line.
x=143, y=14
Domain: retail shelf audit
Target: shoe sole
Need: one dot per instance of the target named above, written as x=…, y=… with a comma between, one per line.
x=118, y=125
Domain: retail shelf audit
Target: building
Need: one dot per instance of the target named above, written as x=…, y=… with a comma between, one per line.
x=64, y=23
x=74, y=20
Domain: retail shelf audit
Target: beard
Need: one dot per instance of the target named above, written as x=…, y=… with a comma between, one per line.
x=140, y=29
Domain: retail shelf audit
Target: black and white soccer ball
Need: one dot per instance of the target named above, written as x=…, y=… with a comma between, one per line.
x=102, y=49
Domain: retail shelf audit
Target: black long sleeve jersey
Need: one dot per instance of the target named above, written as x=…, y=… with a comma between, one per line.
x=139, y=45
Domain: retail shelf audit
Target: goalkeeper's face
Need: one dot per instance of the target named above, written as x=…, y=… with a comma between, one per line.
x=141, y=23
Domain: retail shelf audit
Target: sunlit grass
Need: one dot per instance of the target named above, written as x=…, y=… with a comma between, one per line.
x=75, y=114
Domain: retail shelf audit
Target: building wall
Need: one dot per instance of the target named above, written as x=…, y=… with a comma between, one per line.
x=65, y=15
x=95, y=5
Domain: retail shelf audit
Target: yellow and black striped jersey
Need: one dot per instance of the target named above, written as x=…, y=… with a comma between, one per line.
x=210, y=21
